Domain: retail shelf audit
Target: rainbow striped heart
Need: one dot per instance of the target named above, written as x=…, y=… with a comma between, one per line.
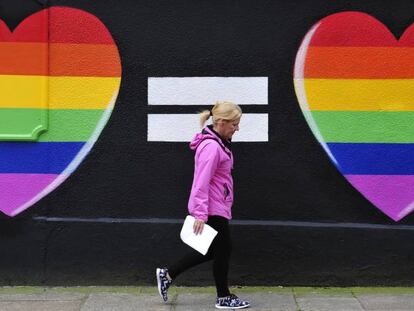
x=354, y=83
x=60, y=74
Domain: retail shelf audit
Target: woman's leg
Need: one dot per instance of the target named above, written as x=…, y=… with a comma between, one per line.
x=194, y=258
x=191, y=259
x=221, y=257
x=219, y=251
x=166, y=275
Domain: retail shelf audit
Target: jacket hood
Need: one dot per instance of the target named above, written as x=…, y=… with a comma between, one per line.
x=206, y=133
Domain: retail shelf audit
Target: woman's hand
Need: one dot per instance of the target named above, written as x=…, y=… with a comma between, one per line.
x=198, y=226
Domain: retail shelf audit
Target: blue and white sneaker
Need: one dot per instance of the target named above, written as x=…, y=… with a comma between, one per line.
x=163, y=283
x=231, y=302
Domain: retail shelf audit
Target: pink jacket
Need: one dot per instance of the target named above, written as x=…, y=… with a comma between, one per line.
x=212, y=189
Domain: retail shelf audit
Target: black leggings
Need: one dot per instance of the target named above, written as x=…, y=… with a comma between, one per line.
x=219, y=251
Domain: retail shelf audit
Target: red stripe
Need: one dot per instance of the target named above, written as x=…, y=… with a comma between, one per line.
x=32, y=29
x=65, y=25
x=407, y=39
x=68, y=25
x=357, y=29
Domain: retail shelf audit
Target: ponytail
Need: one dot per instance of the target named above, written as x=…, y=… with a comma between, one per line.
x=204, y=116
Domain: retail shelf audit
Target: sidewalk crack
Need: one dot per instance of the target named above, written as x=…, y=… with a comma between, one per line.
x=173, y=301
x=356, y=297
x=294, y=298
x=83, y=301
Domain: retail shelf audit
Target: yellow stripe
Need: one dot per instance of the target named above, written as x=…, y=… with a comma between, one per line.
x=63, y=92
x=23, y=91
x=359, y=94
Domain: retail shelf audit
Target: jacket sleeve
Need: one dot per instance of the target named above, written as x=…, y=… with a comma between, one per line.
x=207, y=159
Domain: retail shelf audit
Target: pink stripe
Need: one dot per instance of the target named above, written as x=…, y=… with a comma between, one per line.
x=392, y=194
x=21, y=188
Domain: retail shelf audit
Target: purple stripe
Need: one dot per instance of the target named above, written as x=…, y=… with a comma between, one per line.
x=392, y=194
x=21, y=188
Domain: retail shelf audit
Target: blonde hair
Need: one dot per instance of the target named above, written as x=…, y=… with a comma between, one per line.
x=221, y=111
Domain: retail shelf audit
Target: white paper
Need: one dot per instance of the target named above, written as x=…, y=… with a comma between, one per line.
x=200, y=242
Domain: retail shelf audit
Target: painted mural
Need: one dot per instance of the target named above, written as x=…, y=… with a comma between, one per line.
x=60, y=73
x=354, y=82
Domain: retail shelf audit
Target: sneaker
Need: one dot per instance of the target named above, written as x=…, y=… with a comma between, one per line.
x=231, y=302
x=163, y=283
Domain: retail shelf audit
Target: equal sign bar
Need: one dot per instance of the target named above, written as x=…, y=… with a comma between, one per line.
x=205, y=91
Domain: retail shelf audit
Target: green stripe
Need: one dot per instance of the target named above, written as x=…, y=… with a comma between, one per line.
x=64, y=125
x=22, y=124
x=366, y=126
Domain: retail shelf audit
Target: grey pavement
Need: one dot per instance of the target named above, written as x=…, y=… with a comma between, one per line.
x=263, y=298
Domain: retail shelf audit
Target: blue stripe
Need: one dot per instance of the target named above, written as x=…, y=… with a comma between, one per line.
x=37, y=157
x=374, y=159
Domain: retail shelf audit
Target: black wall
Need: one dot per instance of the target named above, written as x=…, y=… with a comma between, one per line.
x=288, y=179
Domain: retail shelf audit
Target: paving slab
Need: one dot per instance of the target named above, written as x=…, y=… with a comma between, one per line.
x=270, y=301
x=259, y=301
x=40, y=305
x=401, y=302
x=194, y=301
x=125, y=302
x=318, y=302
x=46, y=295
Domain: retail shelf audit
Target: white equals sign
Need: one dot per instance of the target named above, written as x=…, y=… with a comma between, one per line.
x=184, y=91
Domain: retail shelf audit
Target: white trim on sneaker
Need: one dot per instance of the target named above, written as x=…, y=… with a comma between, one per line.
x=157, y=273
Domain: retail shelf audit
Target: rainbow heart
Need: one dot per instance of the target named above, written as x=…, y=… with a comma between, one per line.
x=60, y=74
x=354, y=83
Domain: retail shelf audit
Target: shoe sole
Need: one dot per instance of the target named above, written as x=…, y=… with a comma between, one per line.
x=157, y=273
x=232, y=308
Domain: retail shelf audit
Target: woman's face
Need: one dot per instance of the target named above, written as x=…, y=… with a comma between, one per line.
x=228, y=128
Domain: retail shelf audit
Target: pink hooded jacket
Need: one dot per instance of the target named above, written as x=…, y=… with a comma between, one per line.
x=212, y=189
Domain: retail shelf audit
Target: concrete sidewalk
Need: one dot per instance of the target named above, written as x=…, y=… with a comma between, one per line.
x=184, y=298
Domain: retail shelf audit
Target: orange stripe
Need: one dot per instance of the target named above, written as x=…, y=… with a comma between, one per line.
x=359, y=62
x=97, y=60
x=23, y=58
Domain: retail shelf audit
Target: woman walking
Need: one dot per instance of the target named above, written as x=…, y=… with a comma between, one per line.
x=210, y=201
